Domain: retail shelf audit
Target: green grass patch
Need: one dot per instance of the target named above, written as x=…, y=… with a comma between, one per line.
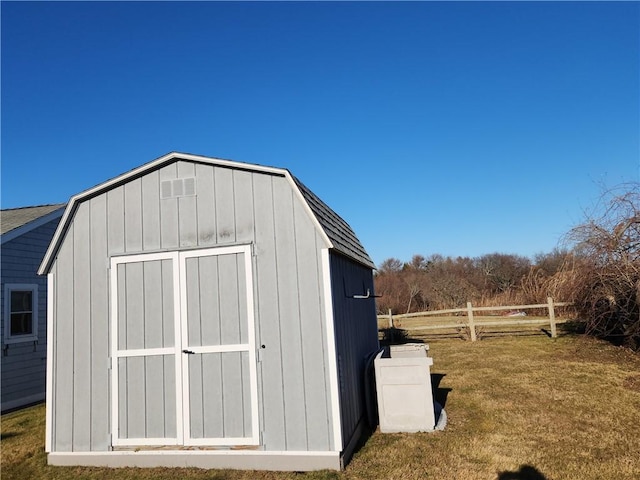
x=567, y=408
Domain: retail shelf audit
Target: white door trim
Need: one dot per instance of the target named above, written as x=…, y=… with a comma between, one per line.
x=117, y=354
x=180, y=334
x=249, y=347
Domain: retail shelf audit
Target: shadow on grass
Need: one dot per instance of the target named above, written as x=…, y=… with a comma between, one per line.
x=573, y=328
x=567, y=328
x=397, y=336
x=6, y=435
x=366, y=434
x=484, y=334
x=440, y=394
x=526, y=472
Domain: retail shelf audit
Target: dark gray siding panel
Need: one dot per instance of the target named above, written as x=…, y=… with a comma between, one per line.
x=24, y=364
x=356, y=330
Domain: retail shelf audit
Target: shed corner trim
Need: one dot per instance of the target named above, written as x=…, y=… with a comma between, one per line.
x=332, y=351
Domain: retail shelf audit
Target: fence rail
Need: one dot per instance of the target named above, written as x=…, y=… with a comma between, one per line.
x=471, y=324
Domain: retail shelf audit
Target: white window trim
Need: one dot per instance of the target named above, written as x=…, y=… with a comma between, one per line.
x=8, y=288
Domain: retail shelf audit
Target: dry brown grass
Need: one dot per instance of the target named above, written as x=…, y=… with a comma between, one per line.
x=568, y=407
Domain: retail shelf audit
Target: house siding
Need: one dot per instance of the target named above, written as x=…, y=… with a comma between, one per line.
x=231, y=206
x=23, y=365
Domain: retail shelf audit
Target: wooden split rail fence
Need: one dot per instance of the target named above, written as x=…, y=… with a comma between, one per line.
x=471, y=324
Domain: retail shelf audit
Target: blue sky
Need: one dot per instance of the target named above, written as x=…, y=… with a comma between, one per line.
x=459, y=128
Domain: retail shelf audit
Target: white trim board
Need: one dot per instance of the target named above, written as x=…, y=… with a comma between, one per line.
x=179, y=265
x=230, y=459
x=332, y=353
x=48, y=437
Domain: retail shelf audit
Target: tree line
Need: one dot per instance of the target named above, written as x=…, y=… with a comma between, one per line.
x=597, y=268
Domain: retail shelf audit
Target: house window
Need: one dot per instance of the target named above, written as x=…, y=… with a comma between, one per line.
x=21, y=313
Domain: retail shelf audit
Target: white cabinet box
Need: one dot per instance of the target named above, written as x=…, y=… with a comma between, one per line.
x=403, y=384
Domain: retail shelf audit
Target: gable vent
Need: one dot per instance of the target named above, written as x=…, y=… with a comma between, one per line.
x=180, y=187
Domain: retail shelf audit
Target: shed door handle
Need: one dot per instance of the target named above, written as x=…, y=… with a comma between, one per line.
x=188, y=352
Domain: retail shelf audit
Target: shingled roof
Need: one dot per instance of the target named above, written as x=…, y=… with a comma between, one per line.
x=14, y=221
x=337, y=233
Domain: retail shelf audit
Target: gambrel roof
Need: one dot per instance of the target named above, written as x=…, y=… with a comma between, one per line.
x=337, y=233
x=18, y=221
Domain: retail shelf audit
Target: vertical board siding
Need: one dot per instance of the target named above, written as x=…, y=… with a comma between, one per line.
x=241, y=285
x=206, y=215
x=115, y=221
x=169, y=219
x=356, y=336
x=290, y=342
x=23, y=365
x=99, y=321
x=154, y=395
x=230, y=207
x=151, y=211
x=146, y=384
x=134, y=372
x=273, y=419
x=211, y=330
x=230, y=296
x=219, y=388
x=187, y=209
x=243, y=205
x=314, y=360
x=82, y=329
x=63, y=347
x=143, y=412
x=152, y=306
x=133, y=215
x=233, y=382
x=224, y=205
x=212, y=424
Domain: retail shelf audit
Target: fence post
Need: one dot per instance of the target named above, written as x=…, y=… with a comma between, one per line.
x=472, y=326
x=552, y=317
x=390, y=319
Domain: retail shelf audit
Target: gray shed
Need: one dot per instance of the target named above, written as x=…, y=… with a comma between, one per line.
x=206, y=313
x=25, y=235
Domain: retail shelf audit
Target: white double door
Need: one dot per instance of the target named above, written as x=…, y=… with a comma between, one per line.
x=183, y=357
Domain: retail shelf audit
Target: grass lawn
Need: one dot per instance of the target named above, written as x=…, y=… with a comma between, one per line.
x=526, y=407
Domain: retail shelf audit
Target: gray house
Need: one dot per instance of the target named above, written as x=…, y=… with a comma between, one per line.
x=206, y=313
x=25, y=234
